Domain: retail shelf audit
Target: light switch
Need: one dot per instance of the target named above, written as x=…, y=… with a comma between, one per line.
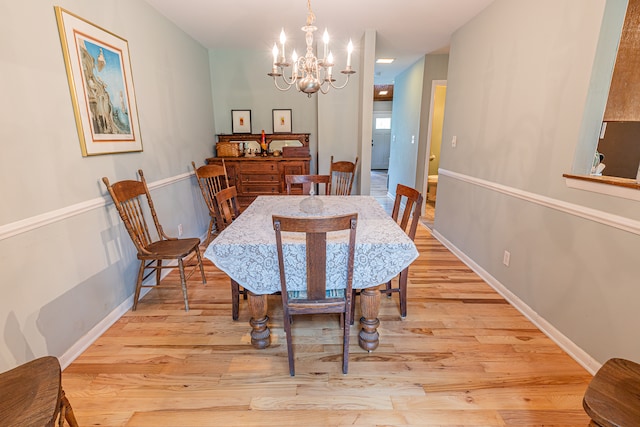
x=454, y=141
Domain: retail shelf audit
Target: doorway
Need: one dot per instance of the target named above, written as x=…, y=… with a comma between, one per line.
x=380, y=140
x=438, y=97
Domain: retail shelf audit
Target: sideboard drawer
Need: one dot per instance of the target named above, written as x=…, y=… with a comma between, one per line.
x=256, y=166
x=259, y=177
x=261, y=188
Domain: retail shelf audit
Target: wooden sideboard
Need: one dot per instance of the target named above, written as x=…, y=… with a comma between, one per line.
x=255, y=176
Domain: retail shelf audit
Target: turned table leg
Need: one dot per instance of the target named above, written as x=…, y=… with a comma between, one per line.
x=370, y=305
x=260, y=333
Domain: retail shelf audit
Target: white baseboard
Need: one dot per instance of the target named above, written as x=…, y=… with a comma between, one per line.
x=575, y=352
x=90, y=337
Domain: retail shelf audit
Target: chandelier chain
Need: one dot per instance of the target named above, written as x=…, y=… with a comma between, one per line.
x=311, y=17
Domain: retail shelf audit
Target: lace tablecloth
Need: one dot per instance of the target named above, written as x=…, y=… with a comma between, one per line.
x=246, y=250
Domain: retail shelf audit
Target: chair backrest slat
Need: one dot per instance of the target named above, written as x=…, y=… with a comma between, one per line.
x=211, y=178
x=342, y=174
x=412, y=209
x=316, y=229
x=307, y=181
x=227, y=210
x=316, y=265
x=129, y=197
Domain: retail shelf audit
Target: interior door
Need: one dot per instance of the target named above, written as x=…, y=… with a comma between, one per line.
x=381, y=142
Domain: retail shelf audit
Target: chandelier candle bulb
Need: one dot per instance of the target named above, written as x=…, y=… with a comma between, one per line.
x=275, y=59
x=349, y=50
x=283, y=38
x=294, y=58
x=325, y=39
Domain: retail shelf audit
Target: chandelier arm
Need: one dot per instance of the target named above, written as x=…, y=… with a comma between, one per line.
x=286, y=80
x=340, y=87
x=275, y=82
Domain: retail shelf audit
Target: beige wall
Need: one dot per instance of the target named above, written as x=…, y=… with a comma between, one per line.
x=67, y=263
x=520, y=85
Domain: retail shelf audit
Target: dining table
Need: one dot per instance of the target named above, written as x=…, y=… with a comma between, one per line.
x=246, y=251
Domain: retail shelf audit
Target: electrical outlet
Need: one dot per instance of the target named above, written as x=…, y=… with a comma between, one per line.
x=506, y=258
x=179, y=229
x=454, y=141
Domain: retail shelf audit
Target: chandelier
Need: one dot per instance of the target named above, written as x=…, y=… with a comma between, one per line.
x=309, y=74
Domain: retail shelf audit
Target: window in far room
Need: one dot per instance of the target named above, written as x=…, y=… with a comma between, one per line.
x=383, y=123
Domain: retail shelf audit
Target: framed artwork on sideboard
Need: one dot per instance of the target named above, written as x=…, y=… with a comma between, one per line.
x=240, y=121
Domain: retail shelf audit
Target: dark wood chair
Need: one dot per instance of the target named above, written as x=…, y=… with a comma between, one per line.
x=411, y=199
x=342, y=174
x=306, y=181
x=134, y=204
x=612, y=398
x=316, y=299
x=31, y=395
x=227, y=210
x=211, y=179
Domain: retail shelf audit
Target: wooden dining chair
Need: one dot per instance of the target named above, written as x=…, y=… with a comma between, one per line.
x=31, y=395
x=613, y=395
x=316, y=298
x=342, y=174
x=134, y=204
x=211, y=179
x=410, y=201
x=307, y=181
x=227, y=211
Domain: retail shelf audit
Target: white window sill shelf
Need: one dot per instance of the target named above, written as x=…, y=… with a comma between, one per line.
x=612, y=186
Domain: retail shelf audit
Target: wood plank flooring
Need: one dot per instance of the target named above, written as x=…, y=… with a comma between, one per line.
x=462, y=357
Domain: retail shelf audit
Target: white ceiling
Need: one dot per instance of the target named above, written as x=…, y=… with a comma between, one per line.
x=405, y=29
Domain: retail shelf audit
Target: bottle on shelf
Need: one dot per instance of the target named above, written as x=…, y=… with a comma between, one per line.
x=263, y=144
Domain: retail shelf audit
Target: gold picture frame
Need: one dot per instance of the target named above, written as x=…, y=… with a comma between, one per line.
x=101, y=85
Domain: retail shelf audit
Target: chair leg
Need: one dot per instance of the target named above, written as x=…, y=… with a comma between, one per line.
x=235, y=300
x=66, y=412
x=345, y=348
x=353, y=306
x=158, y=271
x=136, y=295
x=403, y=292
x=388, y=289
x=287, y=331
x=210, y=232
x=204, y=279
x=183, y=282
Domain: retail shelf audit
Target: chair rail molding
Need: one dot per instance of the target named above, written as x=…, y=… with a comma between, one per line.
x=18, y=227
x=612, y=220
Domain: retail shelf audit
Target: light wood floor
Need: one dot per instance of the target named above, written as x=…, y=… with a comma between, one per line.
x=462, y=357
x=379, y=191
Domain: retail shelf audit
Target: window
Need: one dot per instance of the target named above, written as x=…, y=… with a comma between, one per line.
x=383, y=123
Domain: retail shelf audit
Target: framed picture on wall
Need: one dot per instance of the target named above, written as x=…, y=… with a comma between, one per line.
x=101, y=85
x=281, y=121
x=240, y=121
